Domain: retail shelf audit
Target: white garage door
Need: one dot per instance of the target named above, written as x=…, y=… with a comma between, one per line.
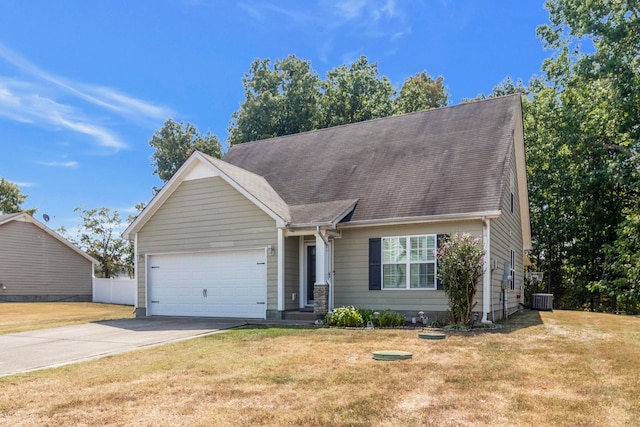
x=221, y=284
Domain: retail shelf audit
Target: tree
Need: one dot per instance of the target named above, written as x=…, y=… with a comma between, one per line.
x=460, y=261
x=11, y=198
x=99, y=237
x=598, y=98
x=356, y=93
x=421, y=92
x=505, y=87
x=612, y=28
x=175, y=142
x=287, y=97
x=623, y=270
x=279, y=100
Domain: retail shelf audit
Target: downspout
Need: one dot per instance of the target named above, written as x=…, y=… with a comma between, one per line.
x=486, y=277
x=136, y=267
x=324, y=238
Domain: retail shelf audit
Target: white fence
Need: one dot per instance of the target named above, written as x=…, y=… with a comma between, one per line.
x=114, y=291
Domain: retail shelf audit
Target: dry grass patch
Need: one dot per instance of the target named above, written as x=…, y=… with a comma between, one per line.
x=28, y=316
x=559, y=368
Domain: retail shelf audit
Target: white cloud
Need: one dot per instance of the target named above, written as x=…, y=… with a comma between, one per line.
x=43, y=99
x=24, y=184
x=359, y=18
x=350, y=9
x=22, y=102
x=69, y=164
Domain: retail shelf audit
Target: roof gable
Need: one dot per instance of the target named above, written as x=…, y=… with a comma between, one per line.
x=25, y=217
x=199, y=165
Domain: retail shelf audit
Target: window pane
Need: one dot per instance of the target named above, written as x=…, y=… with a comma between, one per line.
x=432, y=247
x=423, y=275
x=394, y=250
x=394, y=276
x=418, y=249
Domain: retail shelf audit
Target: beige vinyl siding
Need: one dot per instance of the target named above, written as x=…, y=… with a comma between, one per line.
x=36, y=264
x=208, y=215
x=351, y=281
x=292, y=272
x=506, y=234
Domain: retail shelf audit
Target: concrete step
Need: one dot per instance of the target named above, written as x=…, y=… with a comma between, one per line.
x=300, y=315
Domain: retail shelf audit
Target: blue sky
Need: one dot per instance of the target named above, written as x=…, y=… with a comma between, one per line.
x=85, y=84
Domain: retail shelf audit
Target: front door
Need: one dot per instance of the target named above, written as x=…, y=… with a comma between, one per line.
x=311, y=272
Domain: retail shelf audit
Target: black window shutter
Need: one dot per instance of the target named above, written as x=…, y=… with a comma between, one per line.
x=439, y=239
x=375, y=264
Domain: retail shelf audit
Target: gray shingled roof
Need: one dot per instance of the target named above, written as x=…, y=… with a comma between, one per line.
x=447, y=161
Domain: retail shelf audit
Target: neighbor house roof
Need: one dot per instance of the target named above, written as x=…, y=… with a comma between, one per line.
x=25, y=217
x=446, y=162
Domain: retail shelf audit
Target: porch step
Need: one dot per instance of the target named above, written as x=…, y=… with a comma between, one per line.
x=300, y=315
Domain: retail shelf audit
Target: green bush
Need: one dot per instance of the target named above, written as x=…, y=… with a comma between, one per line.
x=345, y=316
x=386, y=318
x=357, y=317
x=390, y=318
x=367, y=315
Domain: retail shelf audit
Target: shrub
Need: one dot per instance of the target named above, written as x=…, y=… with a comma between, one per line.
x=356, y=317
x=345, y=316
x=367, y=315
x=460, y=261
x=390, y=318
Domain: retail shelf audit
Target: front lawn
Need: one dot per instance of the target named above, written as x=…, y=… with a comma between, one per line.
x=548, y=368
x=28, y=316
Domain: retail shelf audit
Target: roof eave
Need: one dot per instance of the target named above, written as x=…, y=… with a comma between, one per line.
x=470, y=216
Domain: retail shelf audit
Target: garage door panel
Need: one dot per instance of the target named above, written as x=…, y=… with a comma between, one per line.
x=222, y=284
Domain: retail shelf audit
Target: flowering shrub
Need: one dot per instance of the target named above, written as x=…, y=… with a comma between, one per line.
x=460, y=261
x=345, y=316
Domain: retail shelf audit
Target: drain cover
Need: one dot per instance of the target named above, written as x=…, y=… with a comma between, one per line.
x=432, y=336
x=391, y=355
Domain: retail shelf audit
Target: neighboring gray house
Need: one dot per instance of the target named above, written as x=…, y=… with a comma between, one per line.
x=37, y=264
x=348, y=215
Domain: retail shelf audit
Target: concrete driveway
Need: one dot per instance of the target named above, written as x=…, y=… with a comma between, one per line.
x=46, y=348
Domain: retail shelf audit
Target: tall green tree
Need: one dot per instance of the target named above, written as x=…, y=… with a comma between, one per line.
x=279, y=100
x=623, y=255
x=598, y=90
x=175, y=142
x=421, y=92
x=99, y=236
x=356, y=93
x=11, y=198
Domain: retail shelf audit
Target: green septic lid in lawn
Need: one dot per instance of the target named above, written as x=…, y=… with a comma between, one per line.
x=391, y=355
x=432, y=336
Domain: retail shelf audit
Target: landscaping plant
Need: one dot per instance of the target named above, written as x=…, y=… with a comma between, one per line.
x=345, y=316
x=386, y=318
x=460, y=260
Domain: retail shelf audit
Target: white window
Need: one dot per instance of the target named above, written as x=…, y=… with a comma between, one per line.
x=409, y=262
x=512, y=272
